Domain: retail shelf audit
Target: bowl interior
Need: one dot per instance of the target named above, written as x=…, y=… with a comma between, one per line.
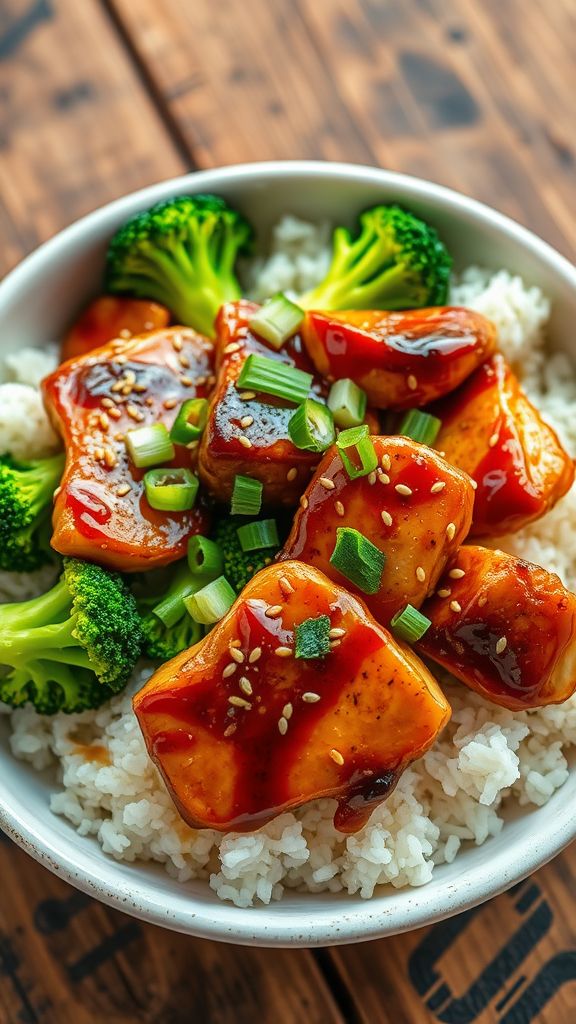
x=37, y=302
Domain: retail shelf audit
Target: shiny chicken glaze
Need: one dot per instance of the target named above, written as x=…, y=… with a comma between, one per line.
x=401, y=360
x=492, y=431
x=109, y=317
x=101, y=512
x=505, y=628
x=418, y=531
x=242, y=730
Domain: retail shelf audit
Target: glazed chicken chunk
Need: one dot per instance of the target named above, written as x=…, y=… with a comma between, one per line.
x=109, y=317
x=505, y=628
x=401, y=360
x=297, y=693
x=101, y=513
x=491, y=430
x=415, y=508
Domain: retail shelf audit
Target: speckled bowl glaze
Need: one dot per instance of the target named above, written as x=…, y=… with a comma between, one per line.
x=37, y=300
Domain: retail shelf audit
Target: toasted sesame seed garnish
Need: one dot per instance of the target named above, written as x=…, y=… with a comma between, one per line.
x=58, y=490
x=123, y=359
x=412, y=382
x=292, y=473
x=133, y=412
x=123, y=490
x=110, y=458
x=282, y=726
x=386, y=461
x=383, y=477
x=184, y=362
x=339, y=508
x=273, y=611
x=104, y=421
x=233, y=346
x=192, y=445
x=246, y=421
x=235, y=643
x=115, y=413
x=372, y=477
x=245, y=685
x=119, y=436
x=99, y=454
x=229, y=670
x=117, y=386
x=287, y=711
x=186, y=382
x=492, y=440
x=170, y=403
x=501, y=645
x=304, y=502
x=239, y=702
x=245, y=441
x=386, y=517
x=473, y=484
x=177, y=343
x=255, y=655
x=130, y=377
x=107, y=403
x=336, y=756
x=140, y=389
x=335, y=643
x=230, y=729
x=336, y=633
x=455, y=606
x=420, y=574
x=285, y=586
x=310, y=697
x=482, y=600
x=284, y=652
x=328, y=484
x=451, y=531
x=444, y=592
x=236, y=655
x=199, y=381
x=456, y=574
x=127, y=389
x=403, y=489
x=437, y=487
x=246, y=396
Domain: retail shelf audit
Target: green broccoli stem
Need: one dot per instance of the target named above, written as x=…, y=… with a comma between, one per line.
x=54, y=606
x=35, y=643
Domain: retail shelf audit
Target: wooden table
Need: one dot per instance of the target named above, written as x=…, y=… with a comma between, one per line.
x=100, y=97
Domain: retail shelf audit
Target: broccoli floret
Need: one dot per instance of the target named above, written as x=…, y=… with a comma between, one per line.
x=396, y=262
x=72, y=648
x=167, y=627
x=26, y=493
x=239, y=566
x=182, y=253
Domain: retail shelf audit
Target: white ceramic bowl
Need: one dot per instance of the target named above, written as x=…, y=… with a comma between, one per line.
x=37, y=300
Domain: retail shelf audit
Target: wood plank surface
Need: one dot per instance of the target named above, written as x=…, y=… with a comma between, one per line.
x=103, y=96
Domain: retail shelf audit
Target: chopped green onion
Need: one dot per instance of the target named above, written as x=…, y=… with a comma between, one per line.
x=313, y=638
x=190, y=421
x=149, y=446
x=347, y=402
x=357, y=451
x=211, y=603
x=277, y=320
x=260, y=373
x=204, y=558
x=261, y=534
x=246, y=496
x=311, y=427
x=171, y=490
x=358, y=559
x=171, y=609
x=420, y=426
x=409, y=624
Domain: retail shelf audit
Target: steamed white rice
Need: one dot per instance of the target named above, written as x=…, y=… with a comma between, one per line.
x=456, y=794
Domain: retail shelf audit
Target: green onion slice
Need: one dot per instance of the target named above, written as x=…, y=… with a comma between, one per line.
x=311, y=427
x=211, y=603
x=409, y=624
x=190, y=421
x=358, y=559
x=313, y=638
x=348, y=403
x=261, y=534
x=277, y=320
x=171, y=490
x=149, y=446
x=357, y=451
x=260, y=373
x=246, y=496
x=204, y=558
x=420, y=426
x=171, y=609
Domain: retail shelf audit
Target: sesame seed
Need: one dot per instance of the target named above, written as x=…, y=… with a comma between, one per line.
x=482, y=600
x=412, y=382
x=104, y=421
x=383, y=478
x=133, y=412
x=282, y=726
x=177, y=343
x=328, y=484
x=335, y=643
x=310, y=697
x=420, y=574
x=444, y=592
x=184, y=362
x=287, y=711
x=336, y=756
x=140, y=388
x=119, y=437
x=127, y=389
x=246, y=396
x=115, y=414
x=234, y=346
x=245, y=685
x=246, y=421
x=456, y=574
x=451, y=531
x=230, y=729
x=239, y=702
x=283, y=652
x=501, y=645
x=339, y=508
x=386, y=461
x=58, y=490
x=107, y=403
x=229, y=670
x=255, y=655
x=386, y=517
x=117, y=386
x=186, y=382
x=492, y=440
x=403, y=489
x=200, y=381
x=473, y=484
x=235, y=643
x=336, y=633
x=372, y=478
x=170, y=403
x=292, y=473
x=304, y=502
x=99, y=454
x=236, y=655
x=123, y=490
x=130, y=377
x=455, y=606
x=437, y=487
x=192, y=445
x=285, y=586
x=245, y=441
x=273, y=611
x=110, y=458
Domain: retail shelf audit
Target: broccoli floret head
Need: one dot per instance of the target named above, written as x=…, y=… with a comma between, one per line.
x=397, y=261
x=165, y=642
x=181, y=252
x=167, y=627
x=72, y=648
x=239, y=566
x=26, y=493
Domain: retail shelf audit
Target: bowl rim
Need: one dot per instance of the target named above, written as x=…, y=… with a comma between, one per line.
x=337, y=921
